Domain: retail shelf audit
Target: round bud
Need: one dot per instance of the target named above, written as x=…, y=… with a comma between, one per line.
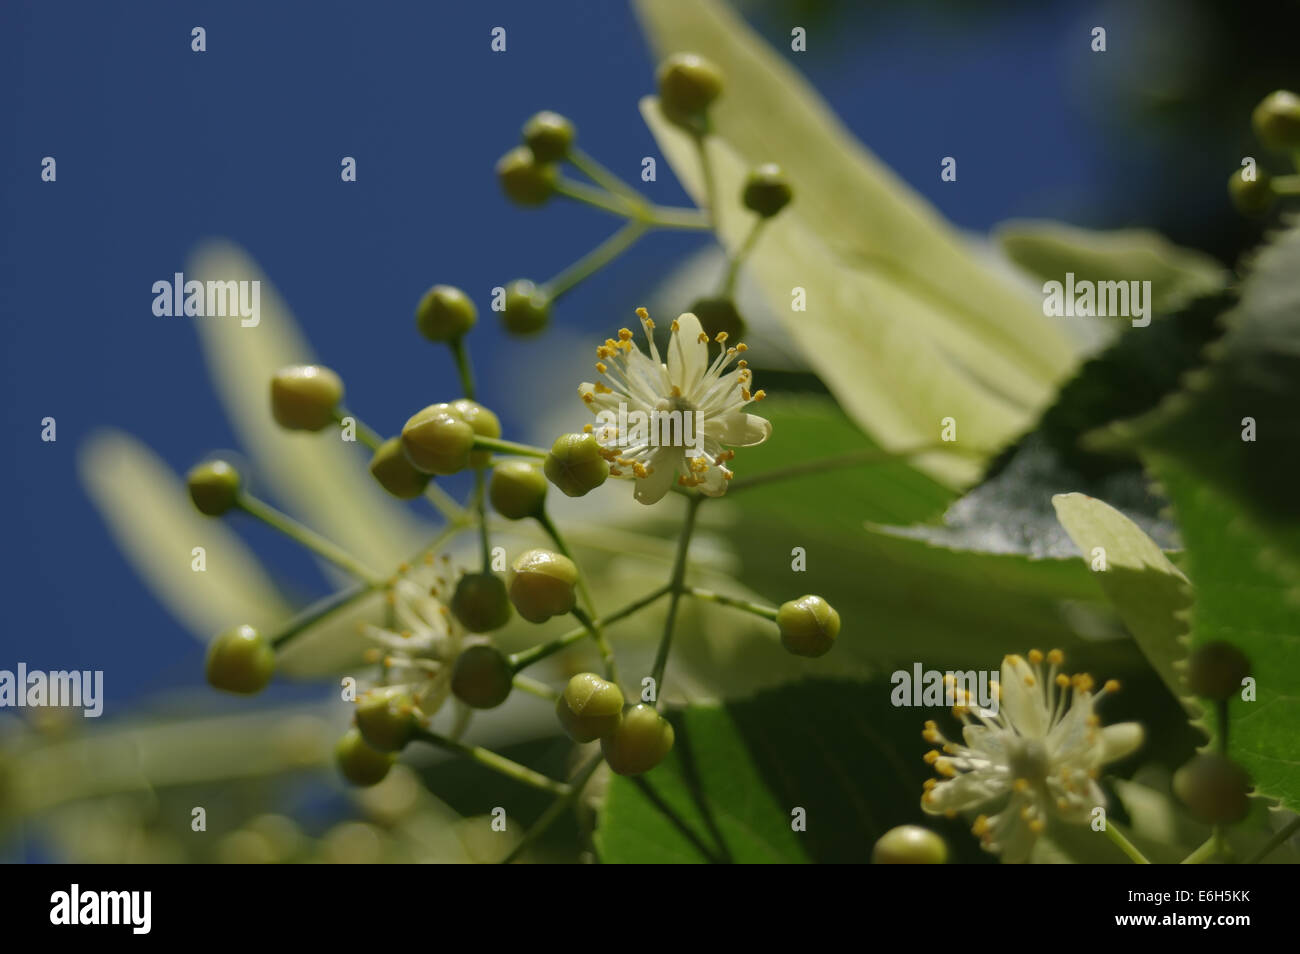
x=527, y=310
x=1214, y=789
x=549, y=135
x=523, y=179
x=484, y=424
x=1277, y=120
x=386, y=718
x=240, y=660
x=1252, y=196
x=1216, y=670
x=909, y=845
x=359, y=763
x=213, y=486
x=438, y=440
x=517, y=490
x=767, y=191
x=395, y=473
x=541, y=585
x=687, y=85
x=480, y=602
x=719, y=315
x=575, y=464
x=445, y=313
x=482, y=677
x=304, y=396
x=640, y=742
x=590, y=708
x=808, y=626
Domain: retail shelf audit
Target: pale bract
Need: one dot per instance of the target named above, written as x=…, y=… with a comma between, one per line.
x=661, y=421
x=1037, y=757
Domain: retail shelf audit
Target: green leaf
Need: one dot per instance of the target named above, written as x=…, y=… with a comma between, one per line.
x=1150, y=593
x=1048, y=250
x=155, y=525
x=1253, y=373
x=318, y=477
x=1247, y=594
x=894, y=296
x=736, y=774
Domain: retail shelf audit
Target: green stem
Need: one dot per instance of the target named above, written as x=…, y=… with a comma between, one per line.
x=675, y=590
x=307, y=537
x=596, y=259
x=507, y=447
x=490, y=759
x=480, y=504
x=535, y=687
x=710, y=188
x=598, y=174
x=525, y=658
x=584, y=595
x=463, y=367
x=1126, y=846
x=554, y=810
x=1201, y=854
x=582, y=192
x=318, y=611
x=767, y=612
x=365, y=435
x=667, y=217
x=733, y=266
x=444, y=503
x=1275, y=841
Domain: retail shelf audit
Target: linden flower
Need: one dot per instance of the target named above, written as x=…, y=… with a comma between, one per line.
x=1039, y=755
x=419, y=654
x=664, y=420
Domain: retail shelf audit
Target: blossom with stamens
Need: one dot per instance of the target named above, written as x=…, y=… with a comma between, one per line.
x=711, y=395
x=1037, y=757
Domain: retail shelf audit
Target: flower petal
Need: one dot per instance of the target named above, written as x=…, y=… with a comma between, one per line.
x=1022, y=697
x=1119, y=740
x=663, y=471
x=742, y=430
x=688, y=356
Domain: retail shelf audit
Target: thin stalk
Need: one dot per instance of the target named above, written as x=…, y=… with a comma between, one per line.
x=307, y=537
x=710, y=188
x=1126, y=846
x=526, y=657
x=365, y=434
x=1202, y=854
x=318, y=611
x=535, y=687
x=581, y=192
x=507, y=447
x=733, y=265
x=596, y=259
x=767, y=612
x=463, y=367
x=675, y=591
x=1274, y=842
x=490, y=759
x=554, y=810
x=598, y=174
x=587, y=618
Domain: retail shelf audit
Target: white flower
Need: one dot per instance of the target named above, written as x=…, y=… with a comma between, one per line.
x=641, y=388
x=419, y=653
x=1037, y=757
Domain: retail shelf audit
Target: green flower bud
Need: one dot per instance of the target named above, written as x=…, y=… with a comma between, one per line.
x=395, y=473
x=445, y=313
x=590, y=708
x=484, y=424
x=517, y=490
x=688, y=84
x=767, y=191
x=482, y=677
x=528, y=308
x=541, y=585
x=1214, y=789
x=1277, y=120
x=909, y=845
x=480, y=602
x=641, y=741
x=1216, y=670
x=808, y=626
x=575, y=464
x=549, y=135
x=304, y=396
x=387, y=718
x=240, y=660
x=438, y=440
x=1252, y=196
x=523, y=179
x=359, y=763
x=213, y=486
x=719, y=315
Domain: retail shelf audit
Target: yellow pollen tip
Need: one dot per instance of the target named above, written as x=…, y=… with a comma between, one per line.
x=1037, y=826
x=674, y=327
x=1056, y=657
x=981, y=826
x=1063, y=680
x=720, y=337
x=1112, y=685
x=929, y=784
x=702, y=338
x=760, y=394
x=742, y=347
x=1035, y=656
x=742, y=364
x=587, y=429
x=744, y=393
x=625, y=334
x=1021, y=785
x=930, y=757
x=642, y=314
x=601, y=367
